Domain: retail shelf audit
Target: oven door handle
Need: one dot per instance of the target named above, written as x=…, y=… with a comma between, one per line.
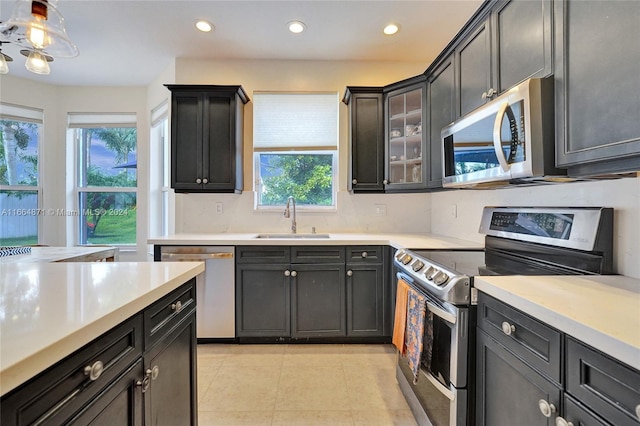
x=439, y=386
x=436, y=310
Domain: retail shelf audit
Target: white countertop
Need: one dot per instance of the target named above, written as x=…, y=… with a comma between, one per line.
x=413, y=241
x=57, y=254
x=602, y=311
x=49, y=310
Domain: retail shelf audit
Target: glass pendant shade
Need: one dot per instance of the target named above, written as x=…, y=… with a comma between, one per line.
x=37, y=24
x=37, y=63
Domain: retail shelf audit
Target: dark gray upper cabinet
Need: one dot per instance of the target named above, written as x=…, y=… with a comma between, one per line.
x=509, y=43
x=206, y=138
x=366, y=137
x=474, y=68
x=440, y=106
x=405, y=117
x=597, y=84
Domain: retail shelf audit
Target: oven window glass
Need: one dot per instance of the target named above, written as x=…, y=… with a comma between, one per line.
x=550, y=225
x=440, y=365
x=471, y=149
x=436, y=406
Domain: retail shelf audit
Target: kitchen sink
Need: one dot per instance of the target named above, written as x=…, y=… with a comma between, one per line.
x=289, y=236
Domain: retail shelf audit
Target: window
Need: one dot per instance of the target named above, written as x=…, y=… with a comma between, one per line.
x=106, y=181
x=20, y=193
x=295, y=139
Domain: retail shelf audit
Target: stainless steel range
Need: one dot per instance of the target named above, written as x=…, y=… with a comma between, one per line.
x=518, y=241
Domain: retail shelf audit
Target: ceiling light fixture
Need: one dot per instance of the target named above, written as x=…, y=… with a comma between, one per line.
x=204, y=26
x=296, y=27
x=4, y=67
x=391, y=29
x=37, y=62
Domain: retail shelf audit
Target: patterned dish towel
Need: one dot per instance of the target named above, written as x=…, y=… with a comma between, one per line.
x=416, y=312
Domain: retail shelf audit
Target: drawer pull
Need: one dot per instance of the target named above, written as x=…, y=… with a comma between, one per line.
x=546, y=408
x=365, y=254
x=287, y=273
x=294, y=274
x=562, y=422
x=94, y=371
x=177, y=306
x=508, y=329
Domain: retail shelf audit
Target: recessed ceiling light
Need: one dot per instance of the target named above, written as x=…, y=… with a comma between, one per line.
x=296, y=27
x=204, y=26
x=391, y=29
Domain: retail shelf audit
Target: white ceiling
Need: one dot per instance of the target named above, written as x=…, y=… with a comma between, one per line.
x=128, y=43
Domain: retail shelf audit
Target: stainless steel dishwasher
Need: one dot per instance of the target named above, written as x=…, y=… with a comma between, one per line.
x=215, y=312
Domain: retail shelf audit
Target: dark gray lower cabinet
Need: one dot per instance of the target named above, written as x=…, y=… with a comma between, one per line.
x=320, y=292
x=263, y=300
x=509, y=392
x=147, y=377
x=318, y=300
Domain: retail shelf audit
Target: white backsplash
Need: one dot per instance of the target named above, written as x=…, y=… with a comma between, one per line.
x=356, y=213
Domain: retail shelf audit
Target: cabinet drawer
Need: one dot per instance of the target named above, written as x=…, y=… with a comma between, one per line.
x=606, y=386
x=60, y=391
x=365, y=254
x=533, y=341
x=578, y=414
x=313, y=254
x=167, y=312
x=263, y=254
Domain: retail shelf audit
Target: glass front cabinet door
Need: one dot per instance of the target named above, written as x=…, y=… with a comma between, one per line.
x=405, y=114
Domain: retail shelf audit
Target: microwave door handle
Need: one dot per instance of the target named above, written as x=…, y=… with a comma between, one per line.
x=497, y=137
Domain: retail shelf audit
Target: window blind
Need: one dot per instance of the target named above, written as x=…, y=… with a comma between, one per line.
x=20, y=113
x=95, y=120
x=295, y=121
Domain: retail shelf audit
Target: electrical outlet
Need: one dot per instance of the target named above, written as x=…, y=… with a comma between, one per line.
x=380, y=209
x=219, y=207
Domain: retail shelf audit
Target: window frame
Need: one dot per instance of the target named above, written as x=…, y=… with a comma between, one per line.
x=332, y=150
x=110, y=120
x=29, y=115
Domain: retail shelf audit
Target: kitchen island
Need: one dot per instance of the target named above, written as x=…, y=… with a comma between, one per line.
x=95, y=315
x=65, y=254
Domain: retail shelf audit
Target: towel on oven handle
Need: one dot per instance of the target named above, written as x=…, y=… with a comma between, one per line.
x=416, y=314
x=400, y=318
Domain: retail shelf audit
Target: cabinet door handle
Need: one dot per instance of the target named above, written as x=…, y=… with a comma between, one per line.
x=287, y=273
x=546, y=408
x=94, y=371
x=354, y=181
x=562, y=422
x=638, y=411
x=176, y=306
x=198, y=180
x=144, y=383
x=349, y=273
x=492, y=92
x=508, y=329
x=294, y=274
x=205, y=180
x=153, y=372
x=386, y=181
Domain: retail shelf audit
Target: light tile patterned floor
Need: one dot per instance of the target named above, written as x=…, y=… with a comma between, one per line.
x=299, y=384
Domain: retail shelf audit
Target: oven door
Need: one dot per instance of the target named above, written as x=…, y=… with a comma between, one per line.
x=441, y=393
x=431, y=402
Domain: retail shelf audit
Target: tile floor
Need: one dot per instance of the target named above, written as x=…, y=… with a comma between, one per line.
x=299, y=384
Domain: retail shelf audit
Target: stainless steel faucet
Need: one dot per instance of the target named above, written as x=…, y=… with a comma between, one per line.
x=287, y=213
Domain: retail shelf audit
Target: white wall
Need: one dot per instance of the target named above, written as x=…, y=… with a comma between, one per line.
x=621, y=194
x=196, y=212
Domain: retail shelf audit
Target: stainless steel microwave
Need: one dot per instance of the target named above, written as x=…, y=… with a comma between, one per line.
x=509, y=140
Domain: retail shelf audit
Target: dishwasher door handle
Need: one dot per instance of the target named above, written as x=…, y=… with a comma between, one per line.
x=186, y=257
